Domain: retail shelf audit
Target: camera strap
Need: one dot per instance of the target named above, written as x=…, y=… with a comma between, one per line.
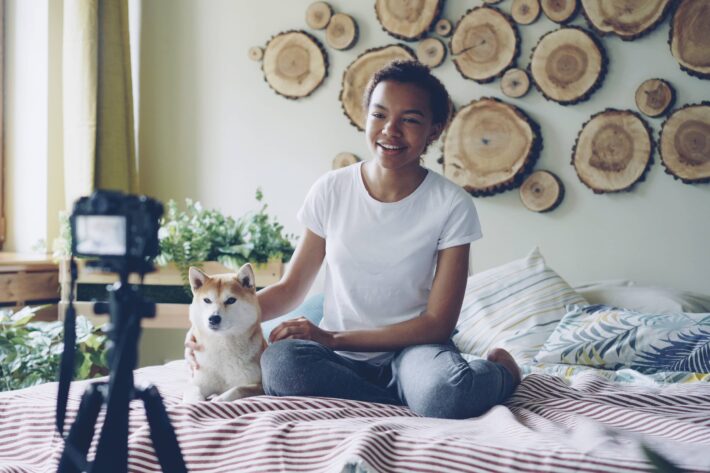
x=66, y=368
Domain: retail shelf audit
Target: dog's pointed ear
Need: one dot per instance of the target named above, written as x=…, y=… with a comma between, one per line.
x=246, y=276
x=197, y=278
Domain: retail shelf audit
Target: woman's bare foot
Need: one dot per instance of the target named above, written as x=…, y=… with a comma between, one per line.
x=501, y=356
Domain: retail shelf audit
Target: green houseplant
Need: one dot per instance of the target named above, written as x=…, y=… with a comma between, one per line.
x=30, y=352
x=191, y=236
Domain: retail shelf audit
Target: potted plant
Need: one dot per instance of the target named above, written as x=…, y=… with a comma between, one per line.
x=30, y=352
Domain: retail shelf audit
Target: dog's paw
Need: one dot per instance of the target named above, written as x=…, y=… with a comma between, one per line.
x=192, y=394
x=240, y=392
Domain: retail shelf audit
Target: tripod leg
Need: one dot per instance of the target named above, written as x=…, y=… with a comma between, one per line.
x=162, y=433
x=76, y=446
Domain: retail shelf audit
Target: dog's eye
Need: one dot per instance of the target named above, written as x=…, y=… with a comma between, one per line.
x=230, y=301
x=207, y=300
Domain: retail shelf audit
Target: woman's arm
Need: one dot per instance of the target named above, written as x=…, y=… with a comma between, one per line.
x=434, y=325
x=289, y=292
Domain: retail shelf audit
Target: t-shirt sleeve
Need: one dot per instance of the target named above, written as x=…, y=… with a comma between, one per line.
x=313, y=212
x=461, y=225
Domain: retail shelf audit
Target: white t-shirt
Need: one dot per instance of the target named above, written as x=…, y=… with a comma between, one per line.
x=380, y=257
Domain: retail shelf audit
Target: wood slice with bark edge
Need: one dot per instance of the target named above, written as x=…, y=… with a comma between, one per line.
x=490, y=146
x=344, y=159
x=689, y=37
x=515, y=83
x=685, y=143
x=485, y=43
x=559, y=11
x=542, y=191
x=654, y=97
x=256, y=53
x=613, y=151
x=299, y=79
x=431, y=52
x=627, y=19
x=342, y=32
x=525, y=12
x=318, y=15
x=443, y=27
x=579, y=48
x=358, y=74
x=407, y=20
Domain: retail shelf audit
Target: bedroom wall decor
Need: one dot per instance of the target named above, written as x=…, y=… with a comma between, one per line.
x=443, y=27
x=407, y=20
x=628, y=19
x=690, y=37
x=613, y=151
x=256, y=53
x=341, y=32
x=567, y=65
x=344, y=159
x=685, y=143
x=485, y=42
x=431, y=52
x=318, y=15
x=358, y=73
x=525, y=12
x=559, y=11
x=295, y=64
x=654, y=97
x=542, y=191
x=490, y=146
x=515, y=83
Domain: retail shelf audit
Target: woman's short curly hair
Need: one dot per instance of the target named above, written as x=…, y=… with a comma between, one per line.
x=414, y=72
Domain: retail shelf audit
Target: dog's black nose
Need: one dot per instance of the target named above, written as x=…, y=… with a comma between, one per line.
x=215, y=319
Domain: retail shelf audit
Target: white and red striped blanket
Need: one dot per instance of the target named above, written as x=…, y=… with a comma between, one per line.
x=590, y=425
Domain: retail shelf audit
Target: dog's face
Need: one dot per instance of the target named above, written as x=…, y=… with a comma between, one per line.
x=224, y=303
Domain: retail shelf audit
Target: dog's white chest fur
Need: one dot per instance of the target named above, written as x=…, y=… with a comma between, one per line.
x=226, y=362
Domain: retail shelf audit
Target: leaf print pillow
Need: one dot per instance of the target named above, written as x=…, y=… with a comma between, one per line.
x=612, y=338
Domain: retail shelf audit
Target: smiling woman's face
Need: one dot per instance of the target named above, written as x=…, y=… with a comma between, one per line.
x=399, y=124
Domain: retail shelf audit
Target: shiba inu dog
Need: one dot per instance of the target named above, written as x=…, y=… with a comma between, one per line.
x=225, y=317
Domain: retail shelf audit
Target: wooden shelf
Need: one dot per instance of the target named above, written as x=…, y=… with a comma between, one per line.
x=27, y=279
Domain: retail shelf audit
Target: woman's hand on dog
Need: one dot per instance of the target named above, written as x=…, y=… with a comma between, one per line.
x=301, y=329
x=191, y=346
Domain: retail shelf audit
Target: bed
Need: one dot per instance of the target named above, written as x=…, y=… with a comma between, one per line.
x=572, y=411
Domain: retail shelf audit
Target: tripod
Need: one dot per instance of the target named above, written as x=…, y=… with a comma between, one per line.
x=112, y=450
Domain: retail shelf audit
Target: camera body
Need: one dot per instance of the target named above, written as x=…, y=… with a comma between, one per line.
x=119, y=230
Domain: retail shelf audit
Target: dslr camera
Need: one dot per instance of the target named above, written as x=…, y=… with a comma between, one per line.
x=119, y=231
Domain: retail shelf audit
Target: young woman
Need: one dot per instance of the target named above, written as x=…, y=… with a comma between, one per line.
x=395, y=238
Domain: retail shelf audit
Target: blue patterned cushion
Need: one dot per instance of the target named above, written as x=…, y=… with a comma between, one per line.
x=515, y=306
x=613, y=338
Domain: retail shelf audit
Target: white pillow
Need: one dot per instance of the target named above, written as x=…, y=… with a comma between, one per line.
x=629, y=295
x=515, y=306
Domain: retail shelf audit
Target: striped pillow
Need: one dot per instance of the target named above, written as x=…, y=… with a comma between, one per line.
x=515, y=306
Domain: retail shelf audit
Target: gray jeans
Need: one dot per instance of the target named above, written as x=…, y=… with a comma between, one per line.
x=432, y=380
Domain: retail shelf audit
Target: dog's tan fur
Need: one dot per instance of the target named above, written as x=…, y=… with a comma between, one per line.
x=229, y=363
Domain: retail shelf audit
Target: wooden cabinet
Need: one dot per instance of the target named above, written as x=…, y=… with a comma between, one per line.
x=29, y=280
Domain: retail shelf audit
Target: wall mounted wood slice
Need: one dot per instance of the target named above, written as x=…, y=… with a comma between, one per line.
x=690, y=37
x=628, y=19
x=358, y=74
x=484, y=44
x=525, y=12
x=654, y=97
x=443, y=27
x=294, y=64
x=542, y=191
x=568, y=65
x=256, y=53
x=685, y=143
x=431, y=52
x=559, y=11
x=613, y=151
x=318, y=15
x=344, y=159
x=490, y=146
x=342, y=32
x=515, y=83
x=406, y=19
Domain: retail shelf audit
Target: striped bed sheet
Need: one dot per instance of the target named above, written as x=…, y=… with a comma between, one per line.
x=587, y=425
